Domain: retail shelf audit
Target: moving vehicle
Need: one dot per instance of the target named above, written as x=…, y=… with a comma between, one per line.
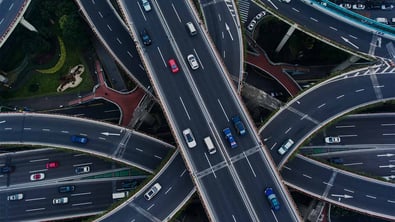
x=173, y=66
x=332, y=139
x=272, y=198
x=192, y=62
x=79, y=139
x=17, y=196
x=189, y=138
x=238, y=125
x=82, y=169
x=285, y=147
x=229, y=137
x=66, y=189
x=61, y=200
x=152, y=191
x=358, y=6
x=382, y=20
x=346, y=5
x=191, y=28
x=335, y=160
x=7, y=169
x=37, y=176
x=210, y=145
x=120, y=195
x=146, y=5
x=286, y=1
x=53, y=164
x=145, y=37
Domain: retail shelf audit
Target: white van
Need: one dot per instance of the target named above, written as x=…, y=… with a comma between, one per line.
x=210, y=145
x=191, y=28
x=120, y=195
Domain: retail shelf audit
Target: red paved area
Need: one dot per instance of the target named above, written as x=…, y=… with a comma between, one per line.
x=276, y=71
x=127, y=102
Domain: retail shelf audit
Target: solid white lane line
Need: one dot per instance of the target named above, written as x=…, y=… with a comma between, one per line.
x=372, y=197
x=253, y=172
x=349, y=190
x=38, y=160
x=183, y=172
x=175, y=11
x=80, y=194
x=186, y=111
x=223, y=110
x=305, y=175
x=80, y=204
x=346, y=126
x=34, y=199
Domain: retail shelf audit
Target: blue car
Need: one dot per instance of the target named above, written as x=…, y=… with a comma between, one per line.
x=79, y=139
x=271, y=197
x=239, y=125
x=229, y=137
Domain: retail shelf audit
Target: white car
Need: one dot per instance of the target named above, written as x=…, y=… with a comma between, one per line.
x=285, y=147
x=193, y=62
x=152, y=191
x=358, y=6
x=37, y=176
x=146, y=5
x=82, y=169
x=189, y=138
x=61, y=200
x=332, y=139
x=286, y=1
x=346, y=5
x=17, y=196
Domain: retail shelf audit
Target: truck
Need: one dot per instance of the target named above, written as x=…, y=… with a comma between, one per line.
x=120, y=195
x=238, y=125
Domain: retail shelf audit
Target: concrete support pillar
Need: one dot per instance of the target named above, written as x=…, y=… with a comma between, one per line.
x=285, y=38
x=351, y=60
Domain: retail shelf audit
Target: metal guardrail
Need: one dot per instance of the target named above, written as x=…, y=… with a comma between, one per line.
x=380, y=28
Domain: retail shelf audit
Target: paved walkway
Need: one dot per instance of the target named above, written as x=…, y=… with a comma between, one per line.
x=261, y=61
x=127, y=102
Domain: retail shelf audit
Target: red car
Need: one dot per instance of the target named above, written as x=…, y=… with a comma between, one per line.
x=53, y=164
x=173, y=66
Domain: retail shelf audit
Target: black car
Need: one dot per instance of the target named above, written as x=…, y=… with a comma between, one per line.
x=145, y=37
x=7, y=169
x=66, y=189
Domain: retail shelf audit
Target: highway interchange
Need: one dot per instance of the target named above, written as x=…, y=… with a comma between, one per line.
x=303, y=110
